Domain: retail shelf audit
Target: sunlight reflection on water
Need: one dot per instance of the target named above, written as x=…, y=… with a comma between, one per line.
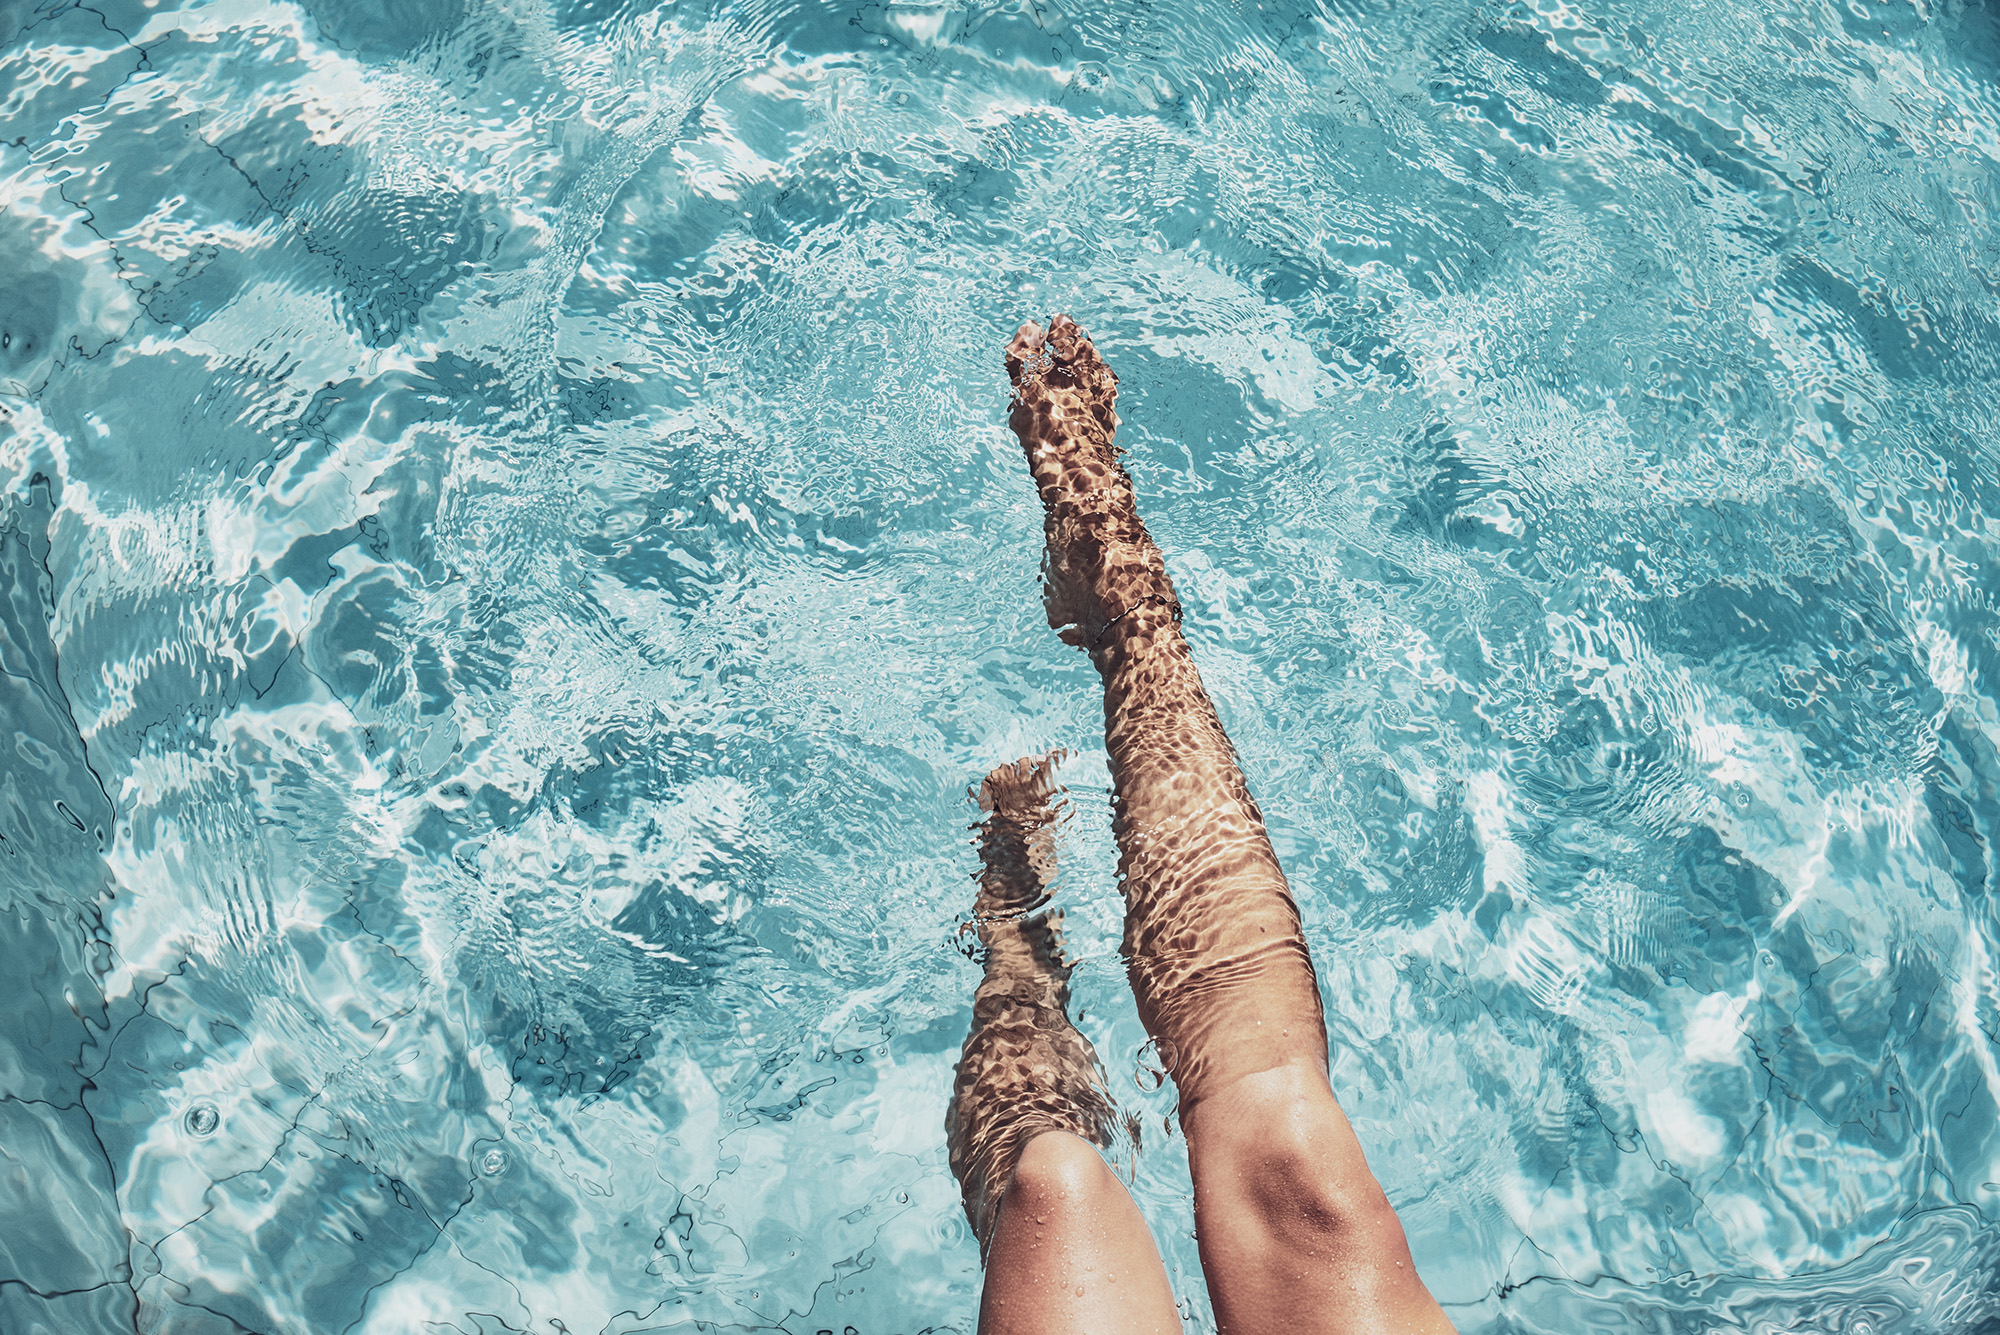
x=512, y=558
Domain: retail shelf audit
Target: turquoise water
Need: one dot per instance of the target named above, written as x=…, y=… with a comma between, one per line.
x=512, y=559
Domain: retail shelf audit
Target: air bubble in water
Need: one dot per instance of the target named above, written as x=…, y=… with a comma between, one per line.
x=493, y=1162
x=202, y=1119
x=1154, y=1063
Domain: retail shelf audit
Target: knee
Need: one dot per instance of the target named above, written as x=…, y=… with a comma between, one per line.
x=1299, y=1191
x=1280, y=1159
x=1057, y=1171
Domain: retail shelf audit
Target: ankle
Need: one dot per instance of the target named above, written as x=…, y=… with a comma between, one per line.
x=1138, y=635
x=1106, y=582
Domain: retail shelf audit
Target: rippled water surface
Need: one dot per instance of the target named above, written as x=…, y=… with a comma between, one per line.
x=510, y=559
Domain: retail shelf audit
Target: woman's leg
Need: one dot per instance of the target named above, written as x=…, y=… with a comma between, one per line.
x=1071, y=1253
x=1066, y=1250
x=1295, y=1233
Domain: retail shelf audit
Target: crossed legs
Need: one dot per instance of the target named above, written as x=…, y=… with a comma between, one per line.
x=1294, y=1231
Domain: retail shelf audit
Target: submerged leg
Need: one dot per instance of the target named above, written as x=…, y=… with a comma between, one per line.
x=1295, y=1232
x=1066, y=1250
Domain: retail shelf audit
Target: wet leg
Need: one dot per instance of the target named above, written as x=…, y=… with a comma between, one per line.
x=1066, y=1249
x=1295, y=1232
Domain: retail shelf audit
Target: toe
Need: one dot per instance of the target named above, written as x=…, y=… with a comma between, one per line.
x=1026, y=785
x=1028, y=340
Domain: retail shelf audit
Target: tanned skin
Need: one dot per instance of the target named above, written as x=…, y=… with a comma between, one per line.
x=1295, y=1233
x=1030, y=1106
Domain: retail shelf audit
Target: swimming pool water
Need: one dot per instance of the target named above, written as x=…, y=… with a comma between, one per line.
x=511, y=559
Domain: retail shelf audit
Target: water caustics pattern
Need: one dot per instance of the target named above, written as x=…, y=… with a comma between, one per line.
x=511, y=557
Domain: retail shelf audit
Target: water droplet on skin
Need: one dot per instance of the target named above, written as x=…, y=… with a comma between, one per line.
x=202, y=1119
x=493, y=1162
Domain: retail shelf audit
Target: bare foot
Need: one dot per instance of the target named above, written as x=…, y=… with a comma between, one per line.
x=1017, y=847
x=1102, y=574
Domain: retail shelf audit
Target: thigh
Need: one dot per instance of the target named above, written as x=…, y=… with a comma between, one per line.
x=1071, y=1253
